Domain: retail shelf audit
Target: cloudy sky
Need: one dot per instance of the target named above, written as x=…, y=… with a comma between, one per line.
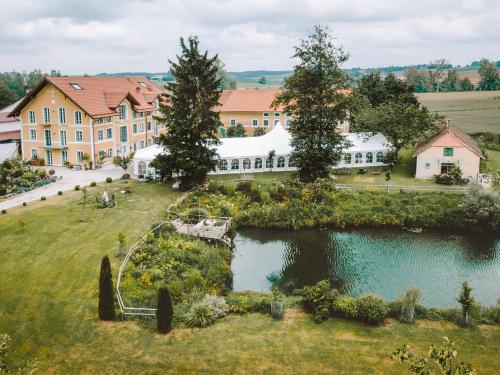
x=93, y=36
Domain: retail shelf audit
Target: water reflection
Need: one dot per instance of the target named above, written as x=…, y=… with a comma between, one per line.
x=382, y=262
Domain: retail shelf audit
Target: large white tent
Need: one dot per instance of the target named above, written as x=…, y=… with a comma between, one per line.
x=250, y=154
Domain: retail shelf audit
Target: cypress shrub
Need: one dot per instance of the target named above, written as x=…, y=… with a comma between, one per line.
x=106, y=299
x=164, y=311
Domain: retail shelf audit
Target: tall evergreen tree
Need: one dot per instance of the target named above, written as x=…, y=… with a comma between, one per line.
x=315, y=94
x=106, y=299
x=189, y=115
x=164, y=311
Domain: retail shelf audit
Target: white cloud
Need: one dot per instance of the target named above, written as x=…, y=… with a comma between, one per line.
x=93, y=36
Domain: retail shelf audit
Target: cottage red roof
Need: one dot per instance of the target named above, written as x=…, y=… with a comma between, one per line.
x=99, y=96
x=248, y=100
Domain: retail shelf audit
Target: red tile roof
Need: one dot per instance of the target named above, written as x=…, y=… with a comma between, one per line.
x=4, y=136
x=100, y=96
x=456, y=133
x=248, y=100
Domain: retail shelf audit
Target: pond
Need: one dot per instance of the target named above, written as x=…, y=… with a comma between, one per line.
x=384, y=262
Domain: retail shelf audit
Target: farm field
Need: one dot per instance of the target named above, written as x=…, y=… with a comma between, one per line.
x=474, y=111
x=48, y=276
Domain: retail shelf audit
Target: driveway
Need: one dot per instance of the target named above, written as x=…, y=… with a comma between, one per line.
x=67, y=182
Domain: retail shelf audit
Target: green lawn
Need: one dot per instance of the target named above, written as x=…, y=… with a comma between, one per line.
x=474, y=111
x=48, y=295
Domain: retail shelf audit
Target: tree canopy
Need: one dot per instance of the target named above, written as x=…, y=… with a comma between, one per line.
x=315, y=94
x=490, y=78
x=236, y=131
x=187, y=110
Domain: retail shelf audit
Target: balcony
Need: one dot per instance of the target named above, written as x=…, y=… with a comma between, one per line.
x=55, y=146
x=46, y=124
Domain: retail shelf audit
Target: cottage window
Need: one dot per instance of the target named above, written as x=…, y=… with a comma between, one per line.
x=223, y=165
x=62, y=116
x=358, y=158
x=255, y=122
x=380, y=157
x=109, y=133
x=31, y=117
x=46, y=115
x=78, y=136
x=235, y=164
x=232, y=122
x=369, y=157
x=100, y=135
x=258, y=163
x=122, y=112
x=276, y=114
x=78, y=117
x=347, y=158
x=281, y=162
x=448, y=151
x=32, y=134
x=266, y=114
x=266, y=122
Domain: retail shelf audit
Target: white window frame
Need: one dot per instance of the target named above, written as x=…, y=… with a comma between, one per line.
x=110, y=152
x=32, y=134
x=100, y=135
x=265, y=122
x=31, y=117
x=78, y=117
x=61, y=112
x=276, y=121
x=64, y=152
x=277, y=114
x=141, y=127
x=122, y=112
x=108, y=130
x=134, y=128
x=34, y=153
x=63, y=140
x=265, y=114
x=76, y=136
x=232, y=122
x=46, y=115
x=79, y=158
x=255, y=123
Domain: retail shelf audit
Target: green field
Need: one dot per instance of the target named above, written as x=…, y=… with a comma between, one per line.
x=49, y=265
x=474, y=111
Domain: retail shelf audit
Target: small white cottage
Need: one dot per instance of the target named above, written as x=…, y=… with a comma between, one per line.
x=450, y=147
x=250, y=154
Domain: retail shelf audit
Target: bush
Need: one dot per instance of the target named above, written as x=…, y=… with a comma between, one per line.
x=481, y=207
x=372, y=309
x=125, y=176
x=41, y=173
x=59, y=193
x=25, y=204
x=245, y=187
x=200, y=315
x=217, y=304
x=346, y=307
x=43, y=198
x=109, y=180
x=319, y=299
x=93, y=184
x=409, y=301
x=77, y=187
x=141, y=176
x=249, y=301
x=197, y=214
x=52, y=172
x=4, y=211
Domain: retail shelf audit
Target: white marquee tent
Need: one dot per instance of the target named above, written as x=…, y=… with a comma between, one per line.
x=250, y=154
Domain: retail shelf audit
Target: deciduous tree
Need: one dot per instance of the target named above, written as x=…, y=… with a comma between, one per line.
x=236, y=131
x=189, y=114
x=315, y=94
x=490, y=79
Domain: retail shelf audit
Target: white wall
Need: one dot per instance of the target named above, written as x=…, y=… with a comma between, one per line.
x=429, y=162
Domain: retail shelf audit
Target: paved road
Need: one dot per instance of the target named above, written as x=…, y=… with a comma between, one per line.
x=69, y=180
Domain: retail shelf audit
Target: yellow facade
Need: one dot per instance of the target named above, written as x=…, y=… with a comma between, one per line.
x=84, y=139
x=265, y=120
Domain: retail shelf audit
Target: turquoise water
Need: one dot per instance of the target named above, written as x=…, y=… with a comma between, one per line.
x=384, y=262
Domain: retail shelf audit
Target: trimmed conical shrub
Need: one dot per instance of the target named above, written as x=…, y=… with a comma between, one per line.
x=164, y=311
x=106, y=299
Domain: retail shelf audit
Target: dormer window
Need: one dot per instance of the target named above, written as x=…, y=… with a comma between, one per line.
x=76, y=86
x=143, y=85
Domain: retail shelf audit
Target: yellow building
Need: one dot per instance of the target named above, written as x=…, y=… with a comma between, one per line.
x=254, y=109
x=87, y=120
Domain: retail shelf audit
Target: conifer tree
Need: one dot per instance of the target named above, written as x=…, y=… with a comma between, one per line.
x=188, y=112
x=315, y=94
x=106, y=299
x=164, y=311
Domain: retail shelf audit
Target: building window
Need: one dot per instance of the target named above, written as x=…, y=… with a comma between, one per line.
x=100, y=135
x=288, y=123
x=48, y=138
x=64, y=141
x=34, y=153
x=347, y=158
x=266, y=122
x=31, y=117
x=448, y=151
x=46, y=115
x=258, y=163
x=76, y=86
x=223, y=165
x=369, y=157
x=110, y=152
x=255, y=122
x=48, y=154
x=148, y=126
x=33, y=134
x=446, y=168
x=142, y=144
x=78, y=136
x=358, y=158
x=281, y=162
x=246, y=164
x=123, y=134
x=79, y=156
x=109, y=133
x=64, y=156
x=62, y=116
x=427, y=165
x=276, y=122
x=122, y=112
x=141, y=127
x=235, y=164
x=232, y=122
x=134, y=128
x=276, y=114
x=265, y=114
x=78, y=118
x=380, y=157
x=269, y=163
